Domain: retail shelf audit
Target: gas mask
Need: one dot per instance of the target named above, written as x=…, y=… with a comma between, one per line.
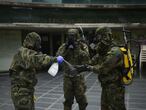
x=71, y=42
x=37, y=46
x=103, y=47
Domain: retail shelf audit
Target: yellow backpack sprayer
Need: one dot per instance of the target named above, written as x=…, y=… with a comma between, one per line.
x=128, y=64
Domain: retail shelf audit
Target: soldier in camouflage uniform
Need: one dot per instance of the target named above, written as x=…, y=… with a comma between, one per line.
x=108, y=65
x=23, y=71
x=76, y=53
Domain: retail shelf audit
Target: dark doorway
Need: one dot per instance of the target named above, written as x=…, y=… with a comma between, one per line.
x=45, y=43
x=56, y=42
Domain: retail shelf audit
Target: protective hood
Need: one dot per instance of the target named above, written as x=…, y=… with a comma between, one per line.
x=73, y=37
x=32, y=41
x=105, y=40
x=103, y=48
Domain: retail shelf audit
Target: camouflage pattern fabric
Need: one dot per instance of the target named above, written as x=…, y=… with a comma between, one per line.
x=112, y=97
x=22, y=98
x=108, y=67
x=103, y=30
x=23, y=69
x=109, y=74
x=74, y=86
x=102, y=40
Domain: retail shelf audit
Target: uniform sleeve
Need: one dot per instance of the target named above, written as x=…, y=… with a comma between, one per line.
x=112, y=60
x=61, y=50
x=84, y=47
x=94, y=59
x=40, y=60
x=84, y=54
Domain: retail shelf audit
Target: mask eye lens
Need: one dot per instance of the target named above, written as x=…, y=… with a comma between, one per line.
x=71, y=34
x=38, y=44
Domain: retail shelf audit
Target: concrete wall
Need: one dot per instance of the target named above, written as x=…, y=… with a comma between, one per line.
x=85, y=1
x=47, y=1
x=10, y=41
x=53, y=1
x=23, y=0
x=8, y=0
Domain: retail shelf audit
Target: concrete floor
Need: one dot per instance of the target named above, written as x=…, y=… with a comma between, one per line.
x=49, y=92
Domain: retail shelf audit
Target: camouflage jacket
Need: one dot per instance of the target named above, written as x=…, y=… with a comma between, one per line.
x=109, y=67
x=24, y=65
x=77, y=56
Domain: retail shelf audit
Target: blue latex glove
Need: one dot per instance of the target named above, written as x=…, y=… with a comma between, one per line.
x=60, y=59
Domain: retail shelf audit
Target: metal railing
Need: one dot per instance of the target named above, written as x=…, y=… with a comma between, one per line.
x=142, y=58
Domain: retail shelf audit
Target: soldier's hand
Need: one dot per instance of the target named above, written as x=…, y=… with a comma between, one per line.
x=89, y=68
x=73, y=71
x=82, y=68
x=60, y=59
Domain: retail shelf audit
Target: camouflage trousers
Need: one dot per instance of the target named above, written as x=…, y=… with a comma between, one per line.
x=22, y=98
x=112, y=97
x=74, y=87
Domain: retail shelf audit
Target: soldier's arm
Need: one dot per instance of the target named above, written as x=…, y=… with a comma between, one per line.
x=84, y=53
x=40, y=60
x=94, y=59
x=61, y=50
x=113, y=59
x=84, y=47
x=84, y=60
